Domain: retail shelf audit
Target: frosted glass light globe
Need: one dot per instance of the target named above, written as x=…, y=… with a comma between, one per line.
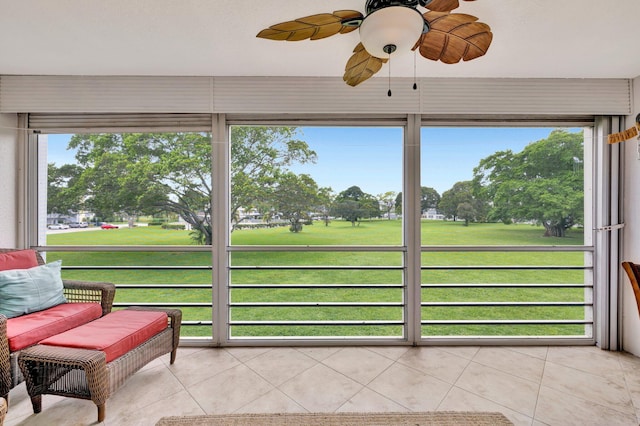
x=397, y=26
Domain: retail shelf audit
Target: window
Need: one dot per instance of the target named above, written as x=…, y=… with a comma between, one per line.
x=305, y=233
x=503, y=232
x=133, y=209
x=316, y=237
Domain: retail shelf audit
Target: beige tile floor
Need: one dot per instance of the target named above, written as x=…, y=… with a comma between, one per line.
x=530, y=385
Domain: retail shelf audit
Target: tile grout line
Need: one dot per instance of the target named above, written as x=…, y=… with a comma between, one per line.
x=544, y=368
x=627, y=388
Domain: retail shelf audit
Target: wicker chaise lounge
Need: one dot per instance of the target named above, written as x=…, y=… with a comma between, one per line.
x=87, y=364
x=75, y=292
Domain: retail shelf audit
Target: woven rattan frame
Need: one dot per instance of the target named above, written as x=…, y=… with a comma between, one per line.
x=75, y=292
x=84, y=374
x=3, y=410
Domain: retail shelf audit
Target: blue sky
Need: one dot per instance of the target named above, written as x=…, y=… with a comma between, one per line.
x=371, y=158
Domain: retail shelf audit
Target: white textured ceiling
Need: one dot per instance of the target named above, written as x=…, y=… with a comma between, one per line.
x=532, y=38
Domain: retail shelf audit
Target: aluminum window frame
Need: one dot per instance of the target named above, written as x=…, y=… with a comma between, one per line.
x=602, y=164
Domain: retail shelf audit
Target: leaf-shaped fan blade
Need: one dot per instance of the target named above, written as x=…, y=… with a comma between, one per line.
x=444, y=5
x=454, y=36
x=361, y=66
x=312, y=27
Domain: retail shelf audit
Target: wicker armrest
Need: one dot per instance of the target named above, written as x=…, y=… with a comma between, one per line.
x=90, y=291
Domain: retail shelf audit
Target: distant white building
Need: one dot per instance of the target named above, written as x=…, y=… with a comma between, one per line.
x=70, y=217
x=432, y=214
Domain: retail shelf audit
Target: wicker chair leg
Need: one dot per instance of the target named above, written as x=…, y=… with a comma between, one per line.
x=173, y=355
x=102, y=412
x=36, y=401
x=3, y=410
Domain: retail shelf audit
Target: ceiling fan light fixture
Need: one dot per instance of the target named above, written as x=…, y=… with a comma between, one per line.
x=393, y=29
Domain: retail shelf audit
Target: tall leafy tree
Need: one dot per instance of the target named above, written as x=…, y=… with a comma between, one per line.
x=143, y=173
x=62, y=196
x=259, y=155
x=429, y=198
x=353, y=204
x=325, y=200
x=466, y=212
x=543, y=183
x=130, y=174
x=294, y=197
x=460, y=193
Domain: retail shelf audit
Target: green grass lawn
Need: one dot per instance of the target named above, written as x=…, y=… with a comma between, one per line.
x=437, y=270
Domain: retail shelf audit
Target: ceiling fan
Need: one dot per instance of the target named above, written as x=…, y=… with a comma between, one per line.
x=391, y=27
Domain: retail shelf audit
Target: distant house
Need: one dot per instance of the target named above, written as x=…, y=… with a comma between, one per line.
x=432, y=214
x=70, y=217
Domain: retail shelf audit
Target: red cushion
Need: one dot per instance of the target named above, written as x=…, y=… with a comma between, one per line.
x=27, y=330
x=19, y=259
x=115, y=334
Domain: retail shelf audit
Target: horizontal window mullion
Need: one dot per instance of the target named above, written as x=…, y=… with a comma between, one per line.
x=132, y=248
x=497, y=248
x=318, y=286
x=459, y=304
x=501, y=285
x=316, y=304
x=281, y=248
x=312, y=323
x=136, y=267
x=207, y=248
x=164, y=305
x=195, y=323
x=159, y=286
x=316, y=267
x=506, y=267
x=505, y=322
x=119, y=122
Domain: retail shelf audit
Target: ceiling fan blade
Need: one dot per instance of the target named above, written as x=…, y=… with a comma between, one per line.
x=312, y=27
x=361, y=66
x=454, y=37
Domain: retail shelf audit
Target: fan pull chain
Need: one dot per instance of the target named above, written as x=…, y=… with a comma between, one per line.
x=389, y=92
x=415, y=84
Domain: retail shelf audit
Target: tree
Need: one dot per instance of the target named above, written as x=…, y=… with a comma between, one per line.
x=466, y=212
x=347, y=209
x=370, y=207
x=146, y=172
x=294, y=198
x=325, y=200
x=459, y=194
x=429, y=198
x=388, y=202
x=259, y=155
x=544, y=183
x=352, y=204
x=61, y=194
x=115, y=174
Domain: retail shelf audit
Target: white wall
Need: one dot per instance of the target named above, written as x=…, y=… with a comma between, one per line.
x=8, y=180
x=631, y=233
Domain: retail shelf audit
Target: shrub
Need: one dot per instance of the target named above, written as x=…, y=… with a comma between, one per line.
x=174, y=226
